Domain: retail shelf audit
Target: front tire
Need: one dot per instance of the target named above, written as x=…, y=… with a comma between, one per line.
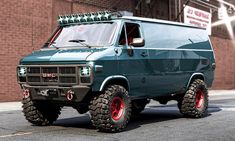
x=40, y=113
x=110, y=111
x=195, y=101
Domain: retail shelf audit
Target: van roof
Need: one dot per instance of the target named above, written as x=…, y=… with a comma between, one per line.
x=157, y=21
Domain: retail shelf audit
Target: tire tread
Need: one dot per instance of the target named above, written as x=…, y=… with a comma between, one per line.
x=187, y=105
x=39, y=114
x=100, y=112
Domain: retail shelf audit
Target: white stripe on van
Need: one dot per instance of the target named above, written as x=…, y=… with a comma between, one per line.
x=176, y=49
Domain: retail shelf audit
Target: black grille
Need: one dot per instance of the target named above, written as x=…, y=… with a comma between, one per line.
x=33, y=70
x=67, y=79
x=67, y=70
x=49, y=69
x=34, y=79
x=49, y=79
x=50, y=75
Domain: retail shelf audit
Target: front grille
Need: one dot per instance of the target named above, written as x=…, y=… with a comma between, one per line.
x=67, y=79
x=60, y=75
x=33, y=70
x=34, y=79
x=49, y=69
x=50, y=80
x=52, y=75
x=67, y=70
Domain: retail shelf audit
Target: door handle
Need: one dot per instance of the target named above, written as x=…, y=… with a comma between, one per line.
x=144, y=54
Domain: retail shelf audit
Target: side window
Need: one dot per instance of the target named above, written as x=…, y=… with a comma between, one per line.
x=172, y=36
x=132, y=31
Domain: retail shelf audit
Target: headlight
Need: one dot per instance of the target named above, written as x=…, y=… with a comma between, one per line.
x=85, y=71
x=22, y=71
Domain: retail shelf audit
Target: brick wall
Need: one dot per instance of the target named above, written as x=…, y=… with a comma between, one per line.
x=225, y=63
x=109, y=4
x=26, y=24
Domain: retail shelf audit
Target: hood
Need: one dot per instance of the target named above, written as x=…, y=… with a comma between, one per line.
x=57, y=55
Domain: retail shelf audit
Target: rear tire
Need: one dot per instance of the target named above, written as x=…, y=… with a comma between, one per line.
x=110, y=111
x=195, y=101
x=40, y=113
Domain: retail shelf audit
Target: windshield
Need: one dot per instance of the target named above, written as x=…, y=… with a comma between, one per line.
x=98, y=34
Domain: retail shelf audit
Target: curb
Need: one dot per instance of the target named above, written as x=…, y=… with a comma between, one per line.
x=10, y=106
x=221, y=92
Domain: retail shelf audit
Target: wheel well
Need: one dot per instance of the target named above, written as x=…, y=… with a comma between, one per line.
x=194, y=77
x=117, y=81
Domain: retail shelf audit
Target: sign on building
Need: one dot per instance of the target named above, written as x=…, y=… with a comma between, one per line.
x=198, y=18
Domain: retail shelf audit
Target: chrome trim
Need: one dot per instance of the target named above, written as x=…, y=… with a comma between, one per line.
x=53, y=87
x=158, y=21
x=193, y=76
x=98, y=68
x=175, y=49
x=114, y=77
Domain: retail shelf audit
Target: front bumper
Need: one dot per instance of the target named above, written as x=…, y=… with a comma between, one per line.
x=57, y=93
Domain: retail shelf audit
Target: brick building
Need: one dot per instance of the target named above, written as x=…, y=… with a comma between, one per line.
x=26, y=24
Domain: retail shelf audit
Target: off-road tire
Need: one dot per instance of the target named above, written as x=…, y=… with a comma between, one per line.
x=102, y=113
x=40, y=113
x=137, y=106
x=190, y=105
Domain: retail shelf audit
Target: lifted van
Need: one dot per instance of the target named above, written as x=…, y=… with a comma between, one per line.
x=112, y=65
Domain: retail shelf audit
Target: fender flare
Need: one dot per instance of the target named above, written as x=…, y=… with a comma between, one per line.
x=194, y=74
x=107, y=79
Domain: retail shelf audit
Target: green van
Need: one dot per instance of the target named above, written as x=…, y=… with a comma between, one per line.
x=112, y=65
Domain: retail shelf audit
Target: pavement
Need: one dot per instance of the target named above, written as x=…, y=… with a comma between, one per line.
x=14, y=106
x=156, y=123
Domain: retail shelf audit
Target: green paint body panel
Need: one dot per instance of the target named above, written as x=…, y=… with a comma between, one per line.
x=173, y=54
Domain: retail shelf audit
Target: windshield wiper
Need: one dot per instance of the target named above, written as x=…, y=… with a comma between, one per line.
x=80, y=42
x=47, y=44
x=52, y=44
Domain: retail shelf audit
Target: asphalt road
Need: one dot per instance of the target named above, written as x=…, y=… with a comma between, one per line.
x=156, y=122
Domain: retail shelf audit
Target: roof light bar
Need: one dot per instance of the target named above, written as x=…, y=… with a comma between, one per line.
x=85, y=17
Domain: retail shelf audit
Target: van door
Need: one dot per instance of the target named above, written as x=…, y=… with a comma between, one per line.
x=164, y=75
x=132, y=61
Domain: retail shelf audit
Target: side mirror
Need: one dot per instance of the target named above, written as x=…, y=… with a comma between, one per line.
x=138, y=42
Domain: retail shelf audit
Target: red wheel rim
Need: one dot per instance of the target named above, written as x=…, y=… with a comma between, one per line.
x=199, y=98
x=117, y=108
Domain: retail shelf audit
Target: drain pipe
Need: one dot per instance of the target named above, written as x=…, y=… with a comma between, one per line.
x=179, y=9
x=169, y=10
x=176, y=9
